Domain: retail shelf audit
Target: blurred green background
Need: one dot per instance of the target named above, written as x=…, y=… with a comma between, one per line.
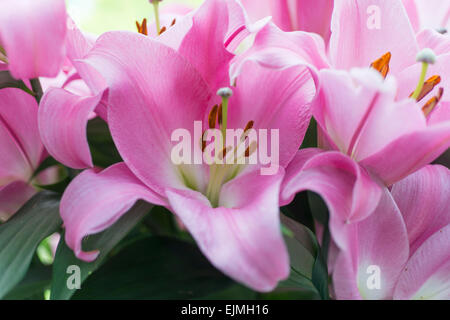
x=98, y=16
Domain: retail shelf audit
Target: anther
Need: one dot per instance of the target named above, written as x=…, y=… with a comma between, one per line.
x=428, y=86
x=382, y=64
x=142, y=27
x=173, y=22
x=163, y=29
x=431, y=104
x=212, y=117
x=442, y=30
x=251, y=149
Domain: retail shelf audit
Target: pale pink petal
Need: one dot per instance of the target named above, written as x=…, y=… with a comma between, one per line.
x=94, y=201
x=312, y=16
x=413, y=14
x=380, y=243
x=33, y=34
x=346, y=188
x=276, y=49
x=429, y=38
x=164, y=92
x=426, y=275
x=20, y=144
x=434, y=13
x=364, y=30
x=63, y=119
x=424, y=200
x=13, y=196
x=242, y=237
x=279, y=100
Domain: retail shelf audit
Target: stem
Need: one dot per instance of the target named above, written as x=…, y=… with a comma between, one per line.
x=37, y=89
x=419, y=88
x=157, y=21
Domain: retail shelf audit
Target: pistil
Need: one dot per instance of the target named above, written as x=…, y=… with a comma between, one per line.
x=427, y=57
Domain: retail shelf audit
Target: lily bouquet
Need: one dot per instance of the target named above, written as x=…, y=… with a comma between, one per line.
x=261, y=149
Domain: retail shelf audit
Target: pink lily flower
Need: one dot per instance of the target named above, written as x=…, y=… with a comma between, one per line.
x=402, y=251
x=32, y=36
x=21, y=149
x=376, y=134
x=366, y=24
x=292, y=15
x=65, y=138
x=232, y=213
x=363, y=146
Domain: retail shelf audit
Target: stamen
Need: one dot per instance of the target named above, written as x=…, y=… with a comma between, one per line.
x=142, y=27
x=163, y=29
x=202, y=141
x=428, y=86
x=382, y=64
x=173, y=22
x=251, y=149
x=247, y=129
x=249, y=125
x=431, y=104
x=426, y=56
x=212, y=117
x=442, y=30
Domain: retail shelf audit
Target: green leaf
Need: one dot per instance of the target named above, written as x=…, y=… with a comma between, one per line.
x=7, y=81
x=20, y=236
x=34, y=284
x=104, y=242
x=309, y=275
x=103, y=150
x=155, y=268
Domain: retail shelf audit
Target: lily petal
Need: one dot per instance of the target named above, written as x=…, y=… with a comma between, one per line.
x=380, y=245
x=33, y=35
x=244, y=238
x=19, y=135
x=426, y=273
x=94, y=201
x=346, y=188
x=423, y=198
x=63, y=119
x=282, y=105
x=362, y=31
x=143, y=137
x=13, y=196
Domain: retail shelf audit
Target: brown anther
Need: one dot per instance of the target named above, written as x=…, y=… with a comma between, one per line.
x=212, y=117
x=163, y=29
x=382, y=64
x=246, y=129
x=431, y=104
x=224, y=152
x=219, y=115
x=203, y=142
x=142, y=27
x=251, y=149
x=249, y=125
x=173, y=22
x=428, y=86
